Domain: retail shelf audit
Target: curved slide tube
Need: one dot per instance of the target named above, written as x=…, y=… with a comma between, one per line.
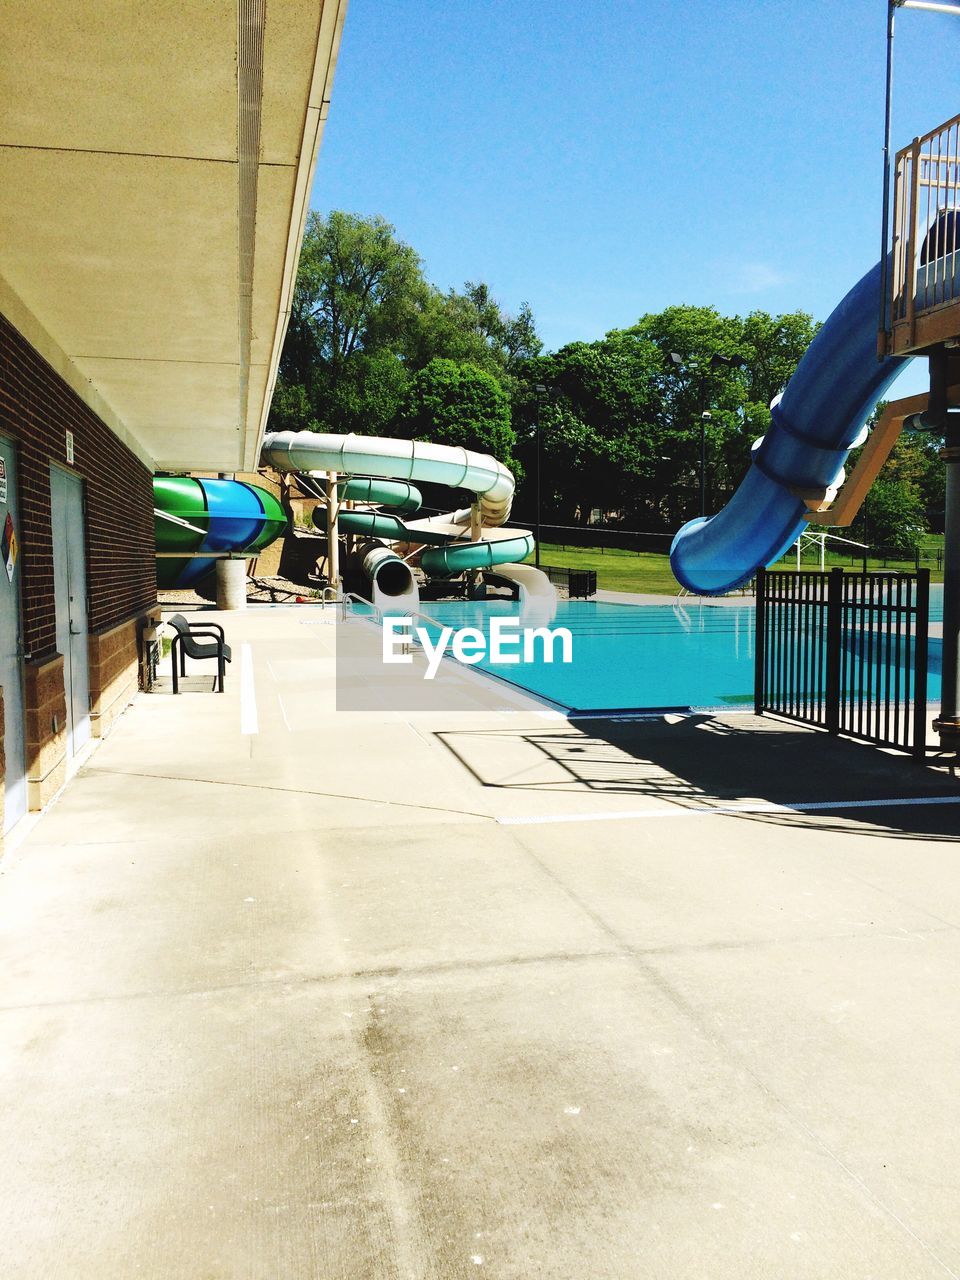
x=814, y=425
x=381, y=471
x=381, y=457
x=194, y=516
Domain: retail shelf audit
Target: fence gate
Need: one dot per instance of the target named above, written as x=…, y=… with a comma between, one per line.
x=846, y=652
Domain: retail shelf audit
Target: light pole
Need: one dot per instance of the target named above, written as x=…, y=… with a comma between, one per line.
x=539, y=390
x=705, y=417
x=716, y=361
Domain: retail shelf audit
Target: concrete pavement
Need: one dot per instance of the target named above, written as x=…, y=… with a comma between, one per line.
x=291, y=993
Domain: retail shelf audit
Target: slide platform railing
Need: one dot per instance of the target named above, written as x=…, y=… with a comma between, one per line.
x=923, y=304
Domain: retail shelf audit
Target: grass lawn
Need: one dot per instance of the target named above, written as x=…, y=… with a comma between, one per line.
x=645, y=571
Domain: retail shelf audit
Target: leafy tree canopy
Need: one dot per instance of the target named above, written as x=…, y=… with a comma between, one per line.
x=458, y=403
x=374, y=348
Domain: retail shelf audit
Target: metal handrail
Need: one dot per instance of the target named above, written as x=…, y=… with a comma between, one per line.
x=352, y=595
x=379, y=614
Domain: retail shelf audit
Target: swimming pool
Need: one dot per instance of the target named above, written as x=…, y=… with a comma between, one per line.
x=645, y=657
x=630, y=657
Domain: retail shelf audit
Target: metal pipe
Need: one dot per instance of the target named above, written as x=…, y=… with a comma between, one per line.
x=333, y=530
x=705, y=417
x=888, y=107
x=948, y=724
x=930, y=5
x=539, y=390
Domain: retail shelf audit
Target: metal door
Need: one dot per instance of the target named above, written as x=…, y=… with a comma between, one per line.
x=11, y=672
x=70, y=588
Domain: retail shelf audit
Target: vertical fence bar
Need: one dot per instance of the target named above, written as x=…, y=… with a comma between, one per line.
x=824, y=647
x=896, y=659
x=909, y=659
x=920, y=660
x=873, y=673
x=834, y=635
x=807, y=651
x=760, y=645
x=846, y=652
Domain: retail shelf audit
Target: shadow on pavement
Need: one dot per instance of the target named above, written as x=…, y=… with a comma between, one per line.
x=701, y=761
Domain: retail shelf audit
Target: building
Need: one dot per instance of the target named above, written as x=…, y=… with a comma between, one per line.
x=156, y=163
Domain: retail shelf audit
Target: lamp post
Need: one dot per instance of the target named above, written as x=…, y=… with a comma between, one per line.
x=716, y=361
x=539, y=390
x=705, y=417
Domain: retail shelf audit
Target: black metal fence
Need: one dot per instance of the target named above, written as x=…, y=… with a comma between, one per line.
x=846, y=652
x=580, y=583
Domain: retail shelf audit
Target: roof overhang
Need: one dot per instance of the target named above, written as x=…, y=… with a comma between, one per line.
x=156, y=163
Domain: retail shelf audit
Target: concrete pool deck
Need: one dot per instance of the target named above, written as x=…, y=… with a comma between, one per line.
x=295, y=993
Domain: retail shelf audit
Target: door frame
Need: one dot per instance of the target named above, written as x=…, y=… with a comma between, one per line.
x=72, y=748
x=20, y=690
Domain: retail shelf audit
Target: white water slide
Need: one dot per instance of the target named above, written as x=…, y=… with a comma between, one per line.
x=446, y=545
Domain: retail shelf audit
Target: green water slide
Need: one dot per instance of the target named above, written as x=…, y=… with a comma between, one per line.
x=378, y=473
x=197, y=516
x=448, y=549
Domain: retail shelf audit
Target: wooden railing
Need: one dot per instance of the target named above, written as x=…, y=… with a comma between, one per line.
x=924, y=282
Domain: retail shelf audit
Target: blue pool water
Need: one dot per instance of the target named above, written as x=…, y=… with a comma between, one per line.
x=629, y=656
x=638, y=657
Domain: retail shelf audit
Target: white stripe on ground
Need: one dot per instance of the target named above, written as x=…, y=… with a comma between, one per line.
x=705, y=811
x=283, y=712
x=248, y=694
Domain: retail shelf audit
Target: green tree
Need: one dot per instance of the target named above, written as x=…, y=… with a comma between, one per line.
x=629, y=417
x=598, y=424
x=364, y=321
x=291, y=409
x=907, y=498
x=449, y=402
x=472, y=326
x=367, y=394
x=892, y=517
x=356, y=299
x=357, y=285
x=761, y=352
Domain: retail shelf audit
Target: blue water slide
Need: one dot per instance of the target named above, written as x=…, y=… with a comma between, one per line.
x=817, y=420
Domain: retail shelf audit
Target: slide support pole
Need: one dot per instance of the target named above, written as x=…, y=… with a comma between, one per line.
x=948, y=724
x=333, y=531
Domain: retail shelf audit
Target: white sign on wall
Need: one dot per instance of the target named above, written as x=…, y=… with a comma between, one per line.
x=70, y=448
x=3, y=480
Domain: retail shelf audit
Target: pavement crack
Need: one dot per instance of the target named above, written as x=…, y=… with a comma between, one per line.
x=296, y=791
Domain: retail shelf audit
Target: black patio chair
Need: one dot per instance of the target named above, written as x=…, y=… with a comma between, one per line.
x=186, y=639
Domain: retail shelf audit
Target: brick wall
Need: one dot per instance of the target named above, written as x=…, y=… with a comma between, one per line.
x=37, y=409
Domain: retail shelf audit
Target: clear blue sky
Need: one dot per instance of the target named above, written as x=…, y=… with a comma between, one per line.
x=603, y=159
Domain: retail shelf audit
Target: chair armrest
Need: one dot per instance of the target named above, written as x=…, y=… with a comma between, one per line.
x=198, y=628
